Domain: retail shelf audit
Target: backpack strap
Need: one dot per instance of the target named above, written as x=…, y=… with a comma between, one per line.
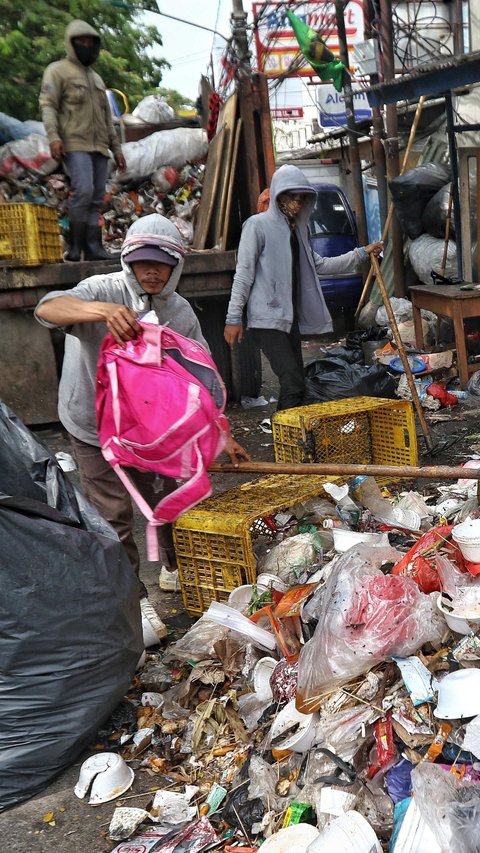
x=170, y=507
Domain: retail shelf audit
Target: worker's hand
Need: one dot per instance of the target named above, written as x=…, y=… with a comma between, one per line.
x=121, y=322
x=375, y=248
x=236, y=452
x=120, y=161
x=233, y=334
x=56, y=149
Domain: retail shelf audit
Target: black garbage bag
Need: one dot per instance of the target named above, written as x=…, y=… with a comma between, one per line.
x=434, y=218
x=333, y=379
x=354, y=340
x=351, y=355
x=411, y=193
x=70, y=626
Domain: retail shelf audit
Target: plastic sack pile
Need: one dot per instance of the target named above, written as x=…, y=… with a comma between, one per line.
x=66, y=660
x=304, y=711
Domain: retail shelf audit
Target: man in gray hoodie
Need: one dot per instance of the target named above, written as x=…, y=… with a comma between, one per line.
x=276, y=280
x=152, y=262
x=79, y=126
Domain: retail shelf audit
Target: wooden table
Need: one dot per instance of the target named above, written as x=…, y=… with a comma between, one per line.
x=448, y=300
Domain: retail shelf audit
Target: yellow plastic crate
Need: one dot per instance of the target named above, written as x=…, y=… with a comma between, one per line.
x=361, y=430
x=32, y=232
x=214, y=541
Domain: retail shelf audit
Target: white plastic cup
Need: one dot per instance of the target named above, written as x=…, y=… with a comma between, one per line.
x=349, y=833
x=467, y=537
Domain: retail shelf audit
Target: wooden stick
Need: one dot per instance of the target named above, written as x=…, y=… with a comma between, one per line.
x=388, y=221
x=401, y=472
x=403, y=355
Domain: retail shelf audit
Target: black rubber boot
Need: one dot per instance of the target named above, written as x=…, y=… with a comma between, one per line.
x=76, y=241
x=94, y=250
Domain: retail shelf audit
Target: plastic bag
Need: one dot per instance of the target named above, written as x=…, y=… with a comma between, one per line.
x=332, y=379
x=426, y=254
x=31, y=154
x=165, y=148
x=67, y=659
x=291, y=557
x=154, y=109
x=413, y=190
x=198, y=643
x=11, y=128
x=450, y=807
x=365, y=617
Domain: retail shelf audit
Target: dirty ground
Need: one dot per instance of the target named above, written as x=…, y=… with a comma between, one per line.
x=56, y=820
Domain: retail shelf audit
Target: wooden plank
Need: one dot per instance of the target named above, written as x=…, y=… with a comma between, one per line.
x=228, y=119
x=231, y=186
x=210, y=184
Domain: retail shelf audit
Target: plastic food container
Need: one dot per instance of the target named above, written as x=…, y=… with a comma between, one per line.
x=349, y=833
x=459, y=695
x=458, y=624
x=261, y=677
x=467, y=537
x=292, y=839
x=345, y=539
x=106, y=775
x=240, y=597
x=303, y=735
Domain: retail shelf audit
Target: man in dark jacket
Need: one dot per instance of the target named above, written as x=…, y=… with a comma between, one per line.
x=79, y=126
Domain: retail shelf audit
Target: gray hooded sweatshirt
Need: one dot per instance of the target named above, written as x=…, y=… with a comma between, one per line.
x=76, y=394
x=263, y=277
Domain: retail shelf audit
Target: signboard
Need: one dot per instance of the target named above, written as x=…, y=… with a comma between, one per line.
x=276, y=44
x=286, y=112
x=331, y=105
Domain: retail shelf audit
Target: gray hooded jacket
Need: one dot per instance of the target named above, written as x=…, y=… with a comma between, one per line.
x=76, y=394
x=263, y=277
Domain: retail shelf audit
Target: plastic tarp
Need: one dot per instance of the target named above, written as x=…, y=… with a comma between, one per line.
x=70, y=626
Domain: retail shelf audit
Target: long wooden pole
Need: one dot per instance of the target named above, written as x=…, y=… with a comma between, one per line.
x=402, y=353
x=388, y=221
x=402, y=472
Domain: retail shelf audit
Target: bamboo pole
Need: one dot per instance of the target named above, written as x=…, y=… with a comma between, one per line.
x=403, y=355
x=386, y=227
x=402, y=472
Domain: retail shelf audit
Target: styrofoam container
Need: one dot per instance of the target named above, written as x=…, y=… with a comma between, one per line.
x=467, y=537
x=261, y=677
x=266, y=579
x=458, y=624
x=240, y=597
x=292, y=839
x=345, y=539
x=349, y=833
x=459, y=695
x=106, y=775
x=302, y=739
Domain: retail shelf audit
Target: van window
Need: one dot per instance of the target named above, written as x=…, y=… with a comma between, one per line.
x=329, y=216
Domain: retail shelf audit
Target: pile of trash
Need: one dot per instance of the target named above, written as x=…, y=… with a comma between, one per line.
x=164, y=175
x=335, y=703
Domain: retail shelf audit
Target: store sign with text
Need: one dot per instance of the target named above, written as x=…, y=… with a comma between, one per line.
x=331, y=105
x=277, y=47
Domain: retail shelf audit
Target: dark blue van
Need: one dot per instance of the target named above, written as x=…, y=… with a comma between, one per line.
x=333, y=231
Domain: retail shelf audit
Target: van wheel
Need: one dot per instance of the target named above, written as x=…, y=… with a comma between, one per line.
x=246, y=369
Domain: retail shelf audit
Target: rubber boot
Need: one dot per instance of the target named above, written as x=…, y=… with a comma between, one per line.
x=94, y=250
x=76, y=241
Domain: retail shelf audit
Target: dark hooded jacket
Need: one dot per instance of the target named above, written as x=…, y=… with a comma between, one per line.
x=73, y=101
x=263, y=277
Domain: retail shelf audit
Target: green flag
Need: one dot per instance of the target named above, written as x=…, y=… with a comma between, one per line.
x=316, y=52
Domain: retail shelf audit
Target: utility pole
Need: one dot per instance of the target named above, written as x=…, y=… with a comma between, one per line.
x=392, y=142
x=358, y=197
x=239, y=34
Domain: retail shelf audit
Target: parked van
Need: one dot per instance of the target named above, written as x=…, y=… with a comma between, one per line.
x=333, y=231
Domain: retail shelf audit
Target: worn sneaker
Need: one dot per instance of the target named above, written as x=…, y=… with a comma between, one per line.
x=154, y=629
x=168, y=580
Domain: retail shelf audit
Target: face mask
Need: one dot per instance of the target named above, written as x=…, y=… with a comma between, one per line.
x=86, y=55
x=290, y=205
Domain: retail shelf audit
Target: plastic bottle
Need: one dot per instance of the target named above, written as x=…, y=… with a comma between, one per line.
x=367, y=493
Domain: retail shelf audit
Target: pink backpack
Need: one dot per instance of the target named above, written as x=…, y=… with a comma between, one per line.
x=159, y=403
